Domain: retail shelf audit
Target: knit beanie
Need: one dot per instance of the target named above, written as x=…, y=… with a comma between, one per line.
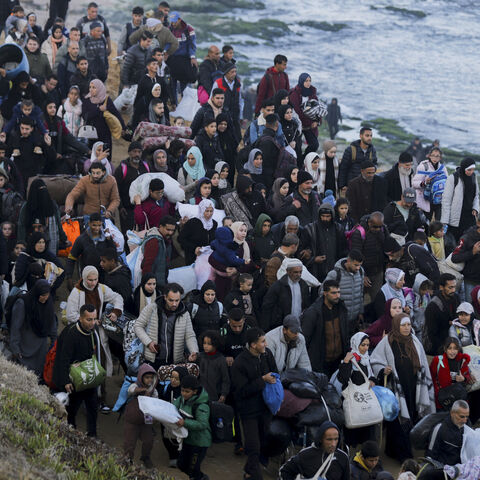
x=405, y=157
x=303, y=177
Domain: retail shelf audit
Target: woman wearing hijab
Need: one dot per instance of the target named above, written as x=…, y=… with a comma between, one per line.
x=37, y=252
x=205, y=310
x=401, y=358
x=393, y=288
x=460, y=204
x=299, y=96
x=145, y=294
x=99, y=154
x=203, y=191
x=20, y=35
x=292, y=129
x=215, y=193
x=198, y=232
x=171, y=392
x=383, y=324
x=33, y=320
x=348, y=370
x=93, y=107
x=280, y=203
x=311, y=163
x=254, y=166
x=328, y=168
x=40, y=207
x=159, y=163
x=191, y=171
x=51, y=45
x=292, y=180
x=227, y=142
x=223, y=170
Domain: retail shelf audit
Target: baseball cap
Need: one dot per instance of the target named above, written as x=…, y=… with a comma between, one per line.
x=465, y=307
x=174, y=17
x=409, y=195
x=292, y=323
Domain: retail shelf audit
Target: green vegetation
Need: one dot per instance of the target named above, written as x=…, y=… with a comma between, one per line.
x=406, y=11
x=325, y=26
x=218, y=6
x=36, y=444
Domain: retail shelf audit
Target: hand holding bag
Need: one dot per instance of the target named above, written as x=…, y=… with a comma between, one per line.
x=360, y=404
x=87, y=374
x=113, y=123
x=323, y=470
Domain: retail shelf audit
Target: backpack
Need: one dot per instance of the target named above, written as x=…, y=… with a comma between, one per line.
x=9, y=305
x=269, y=78
x=48, y=366
x=12, y=203
x=125, y=168
x=349, y=234
x=433, y=192
x=354, y=153
x=221, y=421
x=285, y=160
x=132, y=347
x=246, y=136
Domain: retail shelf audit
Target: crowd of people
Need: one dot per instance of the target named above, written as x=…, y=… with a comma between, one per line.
x=310, y=260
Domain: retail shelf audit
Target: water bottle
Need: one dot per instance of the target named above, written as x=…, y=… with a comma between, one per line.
x=63, y=309
x=220, y=423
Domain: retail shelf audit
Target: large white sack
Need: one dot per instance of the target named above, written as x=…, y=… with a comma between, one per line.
x=203, y=270
x=173, y=190
x=471, y=444
x=184, y=276
x=124, y=102
x=116, y=234
x=189, y=105
x=191, y=211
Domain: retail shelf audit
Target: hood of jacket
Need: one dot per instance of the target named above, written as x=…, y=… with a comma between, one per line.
x=223, y=237
x=262, y=218
x=419, y=279
x=146, y=368
x=321, y=431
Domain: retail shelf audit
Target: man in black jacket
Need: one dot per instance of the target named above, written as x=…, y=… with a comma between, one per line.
x=305, y=200
x=136, y=60
x=78, y=342
x=399, y=177
x=207, y=142
x=439, y=314
x=117, y=275
x=211, y=109
x=403, y=218
x=325, y=328
x=412, y=259
x=270, y=149
x=251, y=371
x=209, y=69
x=366, y=193
x=289, y=295
x=309, y=460
x=83, y=76
x=353, y=156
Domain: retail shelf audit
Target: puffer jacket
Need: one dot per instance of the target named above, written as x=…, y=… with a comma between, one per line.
x=452, y=200
x=146, y=329
x=134, y=64
x=419, y=305
x=161, y=34
x=39, y=64
x=464, y=253
x=205, y=316
x=351, y=288
x=296, y=357
x=197, y=422
x=465, y=335
x=349, y=168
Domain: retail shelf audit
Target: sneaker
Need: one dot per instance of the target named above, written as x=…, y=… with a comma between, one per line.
x=238, y=449
x=173, y=463
x=147, y=462
x=105, y=409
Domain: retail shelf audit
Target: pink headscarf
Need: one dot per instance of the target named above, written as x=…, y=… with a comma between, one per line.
x=101, y=92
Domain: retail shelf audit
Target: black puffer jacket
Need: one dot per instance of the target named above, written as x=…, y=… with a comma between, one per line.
x=119, y=280
x=350, y=168
x=464, y=253
x=396, y=223
x=205, y=316
x=210, y=148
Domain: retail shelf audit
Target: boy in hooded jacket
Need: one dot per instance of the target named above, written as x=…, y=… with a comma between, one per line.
x=137, y=424
x=195, y=411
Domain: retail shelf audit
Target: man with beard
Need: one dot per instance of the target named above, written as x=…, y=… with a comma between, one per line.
x=245, y=204
x=326, y=242
x=325, y=326
x=412, y=259
x=305, y=200
x=288, y=346
x=369, y=239
x=309, y=460
x=125, y=174
x=399, y=177
x=97, y=189
x=353, y=157
x=211, y=109
x=366, y=193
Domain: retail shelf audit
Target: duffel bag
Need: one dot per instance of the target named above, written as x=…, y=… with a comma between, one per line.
x=58, y=186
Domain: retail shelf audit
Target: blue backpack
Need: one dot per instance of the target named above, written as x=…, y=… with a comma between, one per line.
x=433, y=192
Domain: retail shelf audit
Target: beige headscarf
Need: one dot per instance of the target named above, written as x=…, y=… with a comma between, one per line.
x=246, y=249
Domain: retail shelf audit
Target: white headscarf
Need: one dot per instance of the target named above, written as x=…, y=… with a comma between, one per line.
x=309, y=158
x=355, y=342
x=389, y=289
x=88, y=270
x=103, y=161
x=202, y=206
x=218, y=168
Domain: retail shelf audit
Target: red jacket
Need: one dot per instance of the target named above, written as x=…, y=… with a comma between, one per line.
x=269, y=85
x=441, y=373
x=152, y=211
x=296, y=102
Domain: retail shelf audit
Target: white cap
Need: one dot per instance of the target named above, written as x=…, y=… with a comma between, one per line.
x=465, y=307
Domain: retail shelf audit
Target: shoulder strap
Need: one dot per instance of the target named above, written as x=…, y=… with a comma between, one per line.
x=145, y=164
x=324, y=467
x=124, y=169
x=339, y=274
x=354, y=152
x=194, y=310
x=354, y=361
x=440, y=363
x=220, y=308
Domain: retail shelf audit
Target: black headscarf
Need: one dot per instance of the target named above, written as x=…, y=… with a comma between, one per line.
x=39, y=203
x=182, y=372
x=35, y=237
x=469, y=184
x=39, y=314
x=278, y=97
x=145, y=278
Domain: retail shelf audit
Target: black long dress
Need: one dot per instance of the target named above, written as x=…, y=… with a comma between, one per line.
x=397, y=442
x=193, y=235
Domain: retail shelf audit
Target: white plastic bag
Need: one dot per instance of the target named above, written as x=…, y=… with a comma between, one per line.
x=474, y=366
x=203, y=269
x=191, y=211
x=189, y=105
x=116, y=235
x=184, y=276
x=471, y=444
x=124, y=102
x=173, y=190
x=134, y=263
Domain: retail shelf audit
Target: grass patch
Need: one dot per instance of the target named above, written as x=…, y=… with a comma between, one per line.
x=219, y=6
x=325, y=26
x=406, y=11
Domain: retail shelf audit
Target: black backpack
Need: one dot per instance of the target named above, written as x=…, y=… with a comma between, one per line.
x=12, y=202
x=221, y=421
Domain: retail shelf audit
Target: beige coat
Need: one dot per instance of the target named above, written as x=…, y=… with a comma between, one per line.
x=162, y=34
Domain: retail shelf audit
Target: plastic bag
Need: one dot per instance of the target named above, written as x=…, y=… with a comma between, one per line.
x=203, y=269
x=331, y=396
x=278, y=437
x=134, y=263
x=304, y=389
x=420, y=433
x=471, y=444
x=184, y=276
x=292, y=375
x=474, y=366
x=388, y=402
x=124, y=102
x=188, y=106
x=191, y=211
x=292, y=405
x=116, y=235
x=173, y=190
x=123, y=393
x=273, y=394
x=314, y=414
